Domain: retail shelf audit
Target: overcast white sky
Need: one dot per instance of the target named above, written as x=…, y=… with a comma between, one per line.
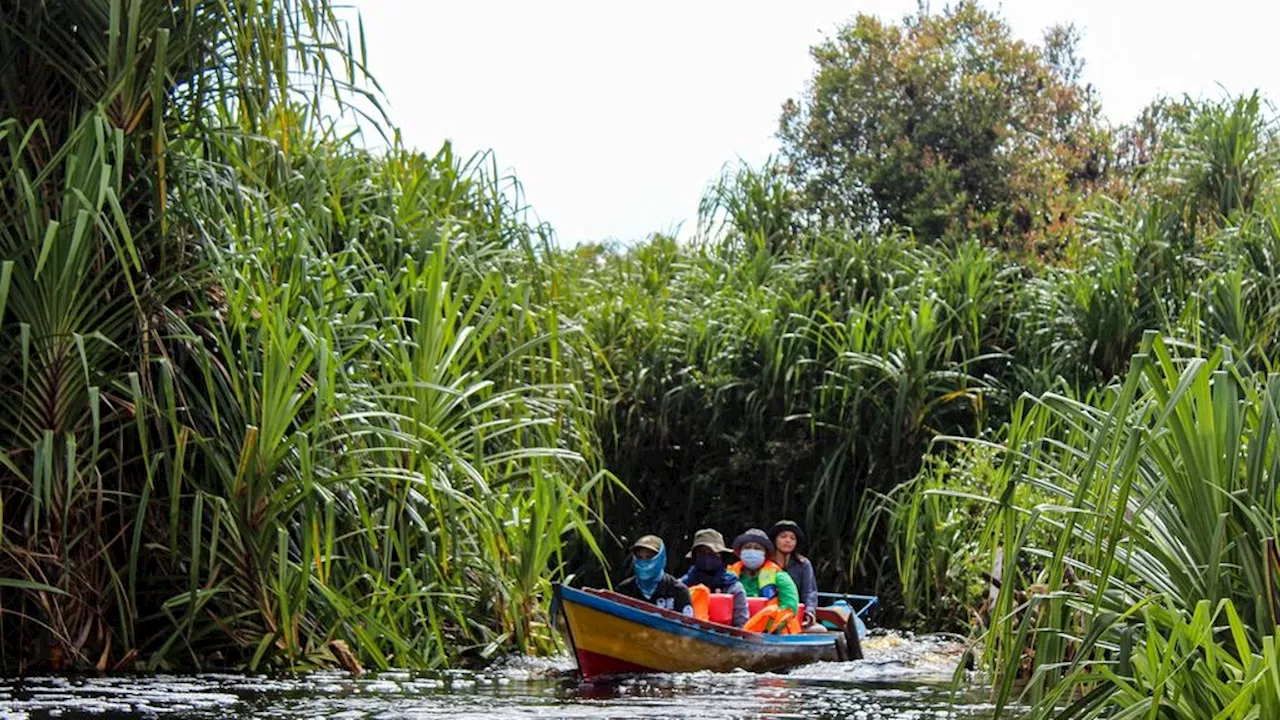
x=615, y=116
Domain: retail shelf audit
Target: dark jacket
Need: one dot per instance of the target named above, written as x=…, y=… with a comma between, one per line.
x=671, y=594
x=722, y=582
x=801, y=570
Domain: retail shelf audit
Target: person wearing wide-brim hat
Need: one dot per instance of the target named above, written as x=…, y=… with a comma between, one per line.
x=708, y=574
x=708, y=539
x=650, y=581
x=787, y=537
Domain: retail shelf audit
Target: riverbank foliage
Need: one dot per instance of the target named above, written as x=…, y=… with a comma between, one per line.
x=264, y=391
x=268, y=393
x=1070, y=457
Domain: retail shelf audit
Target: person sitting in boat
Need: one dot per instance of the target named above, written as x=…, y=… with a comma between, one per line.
x=708, y=575
x=650, y=581
x=787, y=536
x=761, y=577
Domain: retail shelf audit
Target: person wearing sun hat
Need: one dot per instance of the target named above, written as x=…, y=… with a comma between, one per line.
x=709, y=575
x=650, y=582
x=761, y=577
x=787, y=536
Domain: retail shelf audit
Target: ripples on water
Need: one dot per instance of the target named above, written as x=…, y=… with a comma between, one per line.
x=900, y=678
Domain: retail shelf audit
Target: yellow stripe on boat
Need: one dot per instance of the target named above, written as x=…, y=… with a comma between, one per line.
x=613, y=634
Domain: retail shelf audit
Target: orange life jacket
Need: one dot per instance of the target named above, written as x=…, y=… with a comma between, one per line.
x=770, y=618
x=766, y=576
x=700, y=598
x=775, y=620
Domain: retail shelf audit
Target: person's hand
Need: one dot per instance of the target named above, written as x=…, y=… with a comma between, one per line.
x=809, y=618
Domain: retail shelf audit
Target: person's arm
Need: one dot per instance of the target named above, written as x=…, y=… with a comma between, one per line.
x=740, y=614
x=788, y=596
x=810, y=592
x=768, y=592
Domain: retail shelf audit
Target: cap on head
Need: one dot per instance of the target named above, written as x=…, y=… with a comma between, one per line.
x=754, y=535
x=648, y=542
x=710, y=539
x=784, y=525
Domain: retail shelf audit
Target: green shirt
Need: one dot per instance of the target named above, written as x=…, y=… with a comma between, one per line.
x=788, y=595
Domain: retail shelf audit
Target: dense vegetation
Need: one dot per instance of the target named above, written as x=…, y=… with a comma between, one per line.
x=1069, y=452
x=266, y=391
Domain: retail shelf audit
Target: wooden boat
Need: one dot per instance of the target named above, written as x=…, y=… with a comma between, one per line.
x=612, y=634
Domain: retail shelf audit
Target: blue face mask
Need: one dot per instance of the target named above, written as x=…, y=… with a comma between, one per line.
x=708, y=563
x=649, y=572
x=753, y=559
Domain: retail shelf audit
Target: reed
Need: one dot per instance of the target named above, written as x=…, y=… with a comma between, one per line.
x=264, y=390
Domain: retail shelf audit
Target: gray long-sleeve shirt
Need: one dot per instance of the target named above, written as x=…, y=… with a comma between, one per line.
x=801, y=570
x=740, y=612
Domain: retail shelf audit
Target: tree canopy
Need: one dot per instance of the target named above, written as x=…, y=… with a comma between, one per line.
x=947, y=124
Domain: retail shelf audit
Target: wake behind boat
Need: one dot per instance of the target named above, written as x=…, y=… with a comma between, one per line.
x=613, y=634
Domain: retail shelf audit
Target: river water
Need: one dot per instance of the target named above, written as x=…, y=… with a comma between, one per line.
x=901, y=677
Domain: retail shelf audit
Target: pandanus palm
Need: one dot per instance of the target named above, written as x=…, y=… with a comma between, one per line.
x=1162, y=494
x=263, y=390
x=93, y=93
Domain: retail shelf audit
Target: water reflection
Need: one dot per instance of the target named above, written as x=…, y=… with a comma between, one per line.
x=900, y=679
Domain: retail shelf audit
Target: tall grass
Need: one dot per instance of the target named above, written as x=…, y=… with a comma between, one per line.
x=417, y=421
x=774, y=369
x=1123, y=521
x=1129, y=525
x=265, y=391
x=756, y=376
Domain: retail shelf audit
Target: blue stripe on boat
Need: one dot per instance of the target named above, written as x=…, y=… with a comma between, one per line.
x=668, y=625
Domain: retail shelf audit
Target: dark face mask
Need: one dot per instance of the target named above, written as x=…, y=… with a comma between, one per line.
x=708, y=563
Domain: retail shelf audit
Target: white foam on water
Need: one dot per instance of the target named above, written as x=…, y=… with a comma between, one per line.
x=525, y=667
x=893, y=657
x=902, y=678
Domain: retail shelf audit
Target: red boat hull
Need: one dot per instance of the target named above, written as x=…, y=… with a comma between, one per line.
x=595, y=665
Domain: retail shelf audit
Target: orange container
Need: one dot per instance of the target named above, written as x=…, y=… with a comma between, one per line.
x=720, y=608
